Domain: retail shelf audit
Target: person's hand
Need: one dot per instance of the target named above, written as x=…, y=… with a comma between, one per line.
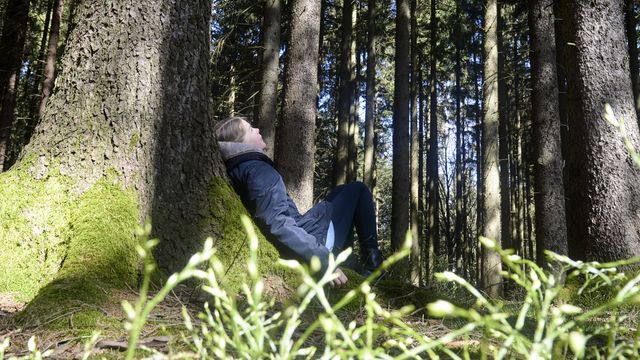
x=340, y=280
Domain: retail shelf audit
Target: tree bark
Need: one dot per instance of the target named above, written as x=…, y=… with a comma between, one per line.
x=459, y=244
x=432, y=157
x=369, y=132
x=11, y=46
x=50, y=66
x=605, y=191
x=632, y=38
x=400, y=182
x=503, y=142
x=354, y=131
x=416, y=265
x=551, y=230
x=346, y=94
x=267, y=114
x=491, y=262
x=295, y=139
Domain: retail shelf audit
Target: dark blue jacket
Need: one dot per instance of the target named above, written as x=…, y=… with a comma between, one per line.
x=263, y=193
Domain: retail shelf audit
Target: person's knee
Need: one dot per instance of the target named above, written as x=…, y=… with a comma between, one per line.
x=361, y=187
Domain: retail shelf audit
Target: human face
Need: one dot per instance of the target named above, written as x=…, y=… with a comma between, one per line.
x=252, y=137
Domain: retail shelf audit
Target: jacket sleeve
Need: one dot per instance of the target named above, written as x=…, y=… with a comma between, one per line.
x=268, y=196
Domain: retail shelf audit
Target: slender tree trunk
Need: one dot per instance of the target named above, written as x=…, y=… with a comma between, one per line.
x=415, y=235
x=492, y=264
x=34, y=104
x=432, y=157
x=295, y=142
x=400, y=185
x=346, y=93
x=354, y=132
x=479, y=167
x=11, y=48
x=459, y=245
x=550, y=214
x=503, y=142
x=50, y=67
x=421, y=169
x=267, y=108
x=605, y=191
x=369, y=133
x=632, y=38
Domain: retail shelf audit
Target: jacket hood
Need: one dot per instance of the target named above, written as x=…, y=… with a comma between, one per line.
x=232, y=149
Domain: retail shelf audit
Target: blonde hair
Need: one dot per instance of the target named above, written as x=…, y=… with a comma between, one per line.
x=230, y=129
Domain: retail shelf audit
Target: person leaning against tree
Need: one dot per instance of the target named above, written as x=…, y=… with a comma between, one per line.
x=326, y=228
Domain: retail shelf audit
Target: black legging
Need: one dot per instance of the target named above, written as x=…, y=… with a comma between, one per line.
x=353, y=206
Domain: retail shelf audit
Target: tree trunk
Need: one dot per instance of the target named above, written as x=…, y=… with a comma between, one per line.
x=34, y=106
x=549, y=197
x=346, y=95
x=126, y=137
x=11, y=48
x=491, y=262
x=479, y=163
x=415, y=235
x=432, y=157
x=632, y=38
x=354, y=132
x=369, y=132
x=295, y=141
x=400, y=182
x=503, y=142
x=605, y=192
x=50, y=67
x=422, y=124
x=459, y=244
x=267, y=107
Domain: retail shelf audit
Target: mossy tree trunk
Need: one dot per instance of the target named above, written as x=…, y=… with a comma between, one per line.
x=125, y=137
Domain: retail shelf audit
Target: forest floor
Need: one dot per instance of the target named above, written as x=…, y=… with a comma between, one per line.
x=161, y=332
x=164, y=331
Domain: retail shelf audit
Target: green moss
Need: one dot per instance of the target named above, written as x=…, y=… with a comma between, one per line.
x=33, y=231
x=232, y=243
x=135, y=138
x=100, y=254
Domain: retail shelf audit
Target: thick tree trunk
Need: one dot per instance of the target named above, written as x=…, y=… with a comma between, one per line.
x=433, y=204
x=369, y=131
x=491, y=262
x=400, y=186
x=550, y=207
x=605, y=191
x=416, y=265
x=11, y=48
x=270, y=67
x=346, y=94
x=295, y=139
